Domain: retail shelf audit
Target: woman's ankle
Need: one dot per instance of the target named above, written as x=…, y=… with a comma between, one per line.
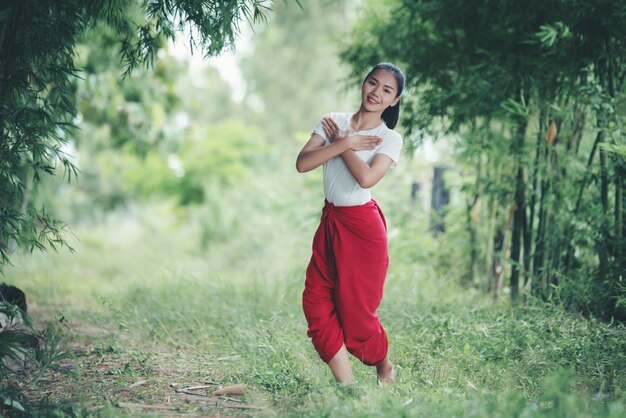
x=384, y=371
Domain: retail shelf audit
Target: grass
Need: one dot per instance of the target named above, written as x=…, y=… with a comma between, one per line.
x=151, y=304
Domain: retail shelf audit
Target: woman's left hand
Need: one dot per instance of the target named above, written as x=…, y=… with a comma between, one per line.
x=332, y=131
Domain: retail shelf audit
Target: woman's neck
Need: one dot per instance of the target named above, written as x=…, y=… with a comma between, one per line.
x=363, y=120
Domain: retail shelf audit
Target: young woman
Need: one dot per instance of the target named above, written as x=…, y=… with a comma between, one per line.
x=346, y=274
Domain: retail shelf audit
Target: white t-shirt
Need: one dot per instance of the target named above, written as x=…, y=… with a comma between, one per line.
x=340, y=188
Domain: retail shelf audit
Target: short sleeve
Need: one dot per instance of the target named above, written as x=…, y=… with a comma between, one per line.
x=319, y=128
x=391, y=147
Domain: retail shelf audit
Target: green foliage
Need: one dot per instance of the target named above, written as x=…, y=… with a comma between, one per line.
x=37, y=107
x=549, y=34
x=35, y=112
x=222, y=154
x=138, y=136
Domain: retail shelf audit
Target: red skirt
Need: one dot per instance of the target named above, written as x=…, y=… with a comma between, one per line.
x=345, y=280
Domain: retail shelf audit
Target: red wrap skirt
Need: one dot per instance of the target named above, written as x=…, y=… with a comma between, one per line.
x=345, y=280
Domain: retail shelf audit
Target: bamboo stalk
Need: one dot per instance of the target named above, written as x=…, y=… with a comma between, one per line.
x=504, y=251
x=489, y=258
x=603, y=253
x=619, y=216
x=534, y=181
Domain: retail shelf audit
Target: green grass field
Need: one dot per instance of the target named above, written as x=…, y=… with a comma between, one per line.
x=150, y=305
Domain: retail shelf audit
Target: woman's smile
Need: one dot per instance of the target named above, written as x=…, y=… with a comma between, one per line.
x=379, y=90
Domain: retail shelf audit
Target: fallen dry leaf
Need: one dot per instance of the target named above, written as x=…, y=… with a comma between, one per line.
x=231, y=390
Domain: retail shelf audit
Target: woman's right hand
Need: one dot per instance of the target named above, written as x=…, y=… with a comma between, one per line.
x=356, y=142
x=363, y=142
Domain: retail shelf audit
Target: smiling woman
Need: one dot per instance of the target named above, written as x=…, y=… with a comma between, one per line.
x=346, y=274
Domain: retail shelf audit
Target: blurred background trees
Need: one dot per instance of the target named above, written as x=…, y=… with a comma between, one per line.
x=38, y=82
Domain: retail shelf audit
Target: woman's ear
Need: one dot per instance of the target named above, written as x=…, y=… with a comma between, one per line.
x=395, y=102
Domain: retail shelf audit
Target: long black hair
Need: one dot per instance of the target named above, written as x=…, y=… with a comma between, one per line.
x=390, y=115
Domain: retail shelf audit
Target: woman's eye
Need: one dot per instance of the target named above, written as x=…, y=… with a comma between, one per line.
x=372, y=83
x=387, y=91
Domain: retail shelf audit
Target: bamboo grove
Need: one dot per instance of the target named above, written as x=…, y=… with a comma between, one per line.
x=532, y=94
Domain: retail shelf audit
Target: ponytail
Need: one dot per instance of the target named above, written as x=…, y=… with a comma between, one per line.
x=390, y=115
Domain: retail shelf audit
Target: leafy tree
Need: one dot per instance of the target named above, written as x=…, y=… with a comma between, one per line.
x=38, y=42
x=219, y=154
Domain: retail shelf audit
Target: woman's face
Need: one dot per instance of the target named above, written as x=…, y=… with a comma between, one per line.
x=379, y=91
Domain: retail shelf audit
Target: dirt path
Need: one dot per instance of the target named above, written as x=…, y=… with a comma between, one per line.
x=102, y=368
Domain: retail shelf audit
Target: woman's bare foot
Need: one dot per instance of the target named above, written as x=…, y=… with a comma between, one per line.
x=385, y=372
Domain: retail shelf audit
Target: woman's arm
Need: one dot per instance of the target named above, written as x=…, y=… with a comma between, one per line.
x=315, y=152
x=367, y=175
